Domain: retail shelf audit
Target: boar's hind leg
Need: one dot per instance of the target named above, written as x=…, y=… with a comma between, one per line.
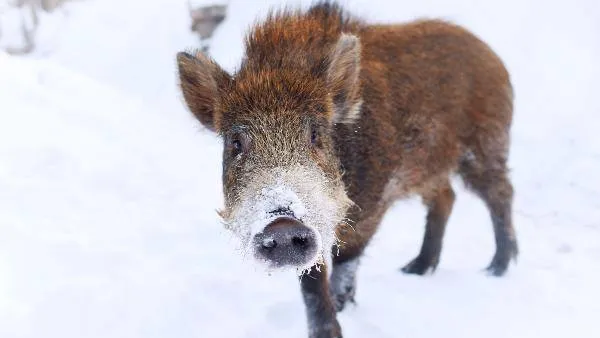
x=439, y=205
x=320, y=312
x=491, y=183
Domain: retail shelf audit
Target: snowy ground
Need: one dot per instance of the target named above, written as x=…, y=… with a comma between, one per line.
x=108, y=189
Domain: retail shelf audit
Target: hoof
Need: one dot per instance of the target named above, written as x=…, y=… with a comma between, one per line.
x=340, y=300
x=329, y=330
x=502, y=258
x=420, y=266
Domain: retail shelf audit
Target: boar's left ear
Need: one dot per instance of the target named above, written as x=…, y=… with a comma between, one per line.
x=343, y=79
x=201, y=81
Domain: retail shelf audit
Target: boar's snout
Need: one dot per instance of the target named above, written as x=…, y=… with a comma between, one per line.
x=286, y=242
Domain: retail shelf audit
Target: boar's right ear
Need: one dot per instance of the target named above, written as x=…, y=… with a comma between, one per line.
x=343, y=79
x=201, y=81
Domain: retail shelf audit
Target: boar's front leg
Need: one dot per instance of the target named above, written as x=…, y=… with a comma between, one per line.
x=343, y=282
x=347, y=255
x=320, y=312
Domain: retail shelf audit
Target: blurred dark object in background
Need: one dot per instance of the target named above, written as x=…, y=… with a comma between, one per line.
x=29, y=18
x=205, y=20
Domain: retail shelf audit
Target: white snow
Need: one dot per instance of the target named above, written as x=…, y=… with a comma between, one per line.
x=282, y=196
x=108, y=189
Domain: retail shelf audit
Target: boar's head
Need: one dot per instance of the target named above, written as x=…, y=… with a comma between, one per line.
x=282, y=182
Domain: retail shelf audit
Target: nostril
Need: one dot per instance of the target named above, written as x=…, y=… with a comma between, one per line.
x=269, y=243
x=299, y=241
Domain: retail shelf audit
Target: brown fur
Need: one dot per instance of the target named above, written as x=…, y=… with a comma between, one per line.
x=432, y=100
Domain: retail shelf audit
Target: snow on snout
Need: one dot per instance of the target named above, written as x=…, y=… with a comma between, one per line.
x=281, y=196
x=273, y=198
x=302, y=192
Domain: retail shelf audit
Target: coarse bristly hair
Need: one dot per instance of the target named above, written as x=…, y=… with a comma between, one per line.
x=395, y=107
x=326, y=109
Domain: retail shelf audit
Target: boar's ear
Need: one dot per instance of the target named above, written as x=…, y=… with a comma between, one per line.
x=201, y=81
x=343, y=79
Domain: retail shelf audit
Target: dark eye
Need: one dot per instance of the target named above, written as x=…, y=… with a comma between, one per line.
x=314, y=136
x=236, y=147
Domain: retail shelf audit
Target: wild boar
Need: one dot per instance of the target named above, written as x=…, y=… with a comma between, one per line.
x=329, y=120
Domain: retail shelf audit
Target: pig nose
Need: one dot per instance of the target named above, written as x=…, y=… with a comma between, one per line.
x=286, y=242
